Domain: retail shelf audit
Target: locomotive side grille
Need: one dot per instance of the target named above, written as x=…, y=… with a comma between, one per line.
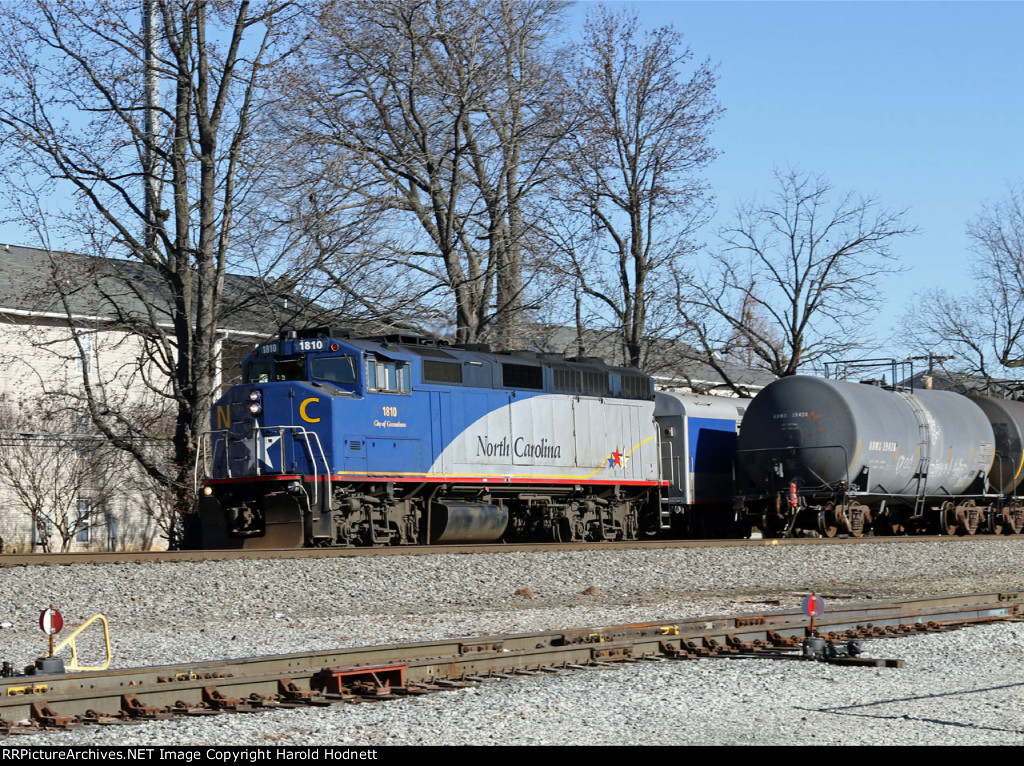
x=521, y=376
x=566, y=379
x=441, y=372
x=595, y=383
x=636, y=386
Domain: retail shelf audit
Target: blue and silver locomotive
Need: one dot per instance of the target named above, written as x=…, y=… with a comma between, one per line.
x=335, y=440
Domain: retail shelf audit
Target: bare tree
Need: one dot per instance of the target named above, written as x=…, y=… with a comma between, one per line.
x=981, y=331
x=58, y=476
x=149, y=136
x=431, y=119
x=794, y=279
x=646, y=112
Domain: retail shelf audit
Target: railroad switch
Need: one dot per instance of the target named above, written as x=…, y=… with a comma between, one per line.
x=102, y=719
x=212, y=696
x=291, y=693
x=132, y=706
x=377, y=679
x=488, y=648
x=614, y=653
x=43, y=714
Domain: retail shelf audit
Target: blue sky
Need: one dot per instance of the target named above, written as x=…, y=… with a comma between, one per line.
x=920, y=104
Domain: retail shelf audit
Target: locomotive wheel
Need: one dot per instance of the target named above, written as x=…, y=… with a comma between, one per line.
x=561, y=530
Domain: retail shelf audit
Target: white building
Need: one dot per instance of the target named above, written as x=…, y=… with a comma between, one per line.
x=63, y=318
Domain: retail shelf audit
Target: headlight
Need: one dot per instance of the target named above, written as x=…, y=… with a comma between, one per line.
x=256, y=401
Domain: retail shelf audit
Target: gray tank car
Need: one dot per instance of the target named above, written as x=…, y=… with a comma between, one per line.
x=836, y=457
x=1006, y=477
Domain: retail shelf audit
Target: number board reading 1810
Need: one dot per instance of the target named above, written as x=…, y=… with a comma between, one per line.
x=270, y=349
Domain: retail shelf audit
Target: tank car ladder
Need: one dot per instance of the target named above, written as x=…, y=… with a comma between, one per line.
x=924, y=447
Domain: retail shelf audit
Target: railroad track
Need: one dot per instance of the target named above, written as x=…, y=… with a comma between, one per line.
x=57, y=559
x=35, y=702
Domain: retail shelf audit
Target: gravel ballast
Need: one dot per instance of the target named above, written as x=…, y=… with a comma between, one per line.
x=957, y=688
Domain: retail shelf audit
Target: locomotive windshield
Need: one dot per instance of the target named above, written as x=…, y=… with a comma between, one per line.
x=336, y=369
x=258, y=372
x=339, y=370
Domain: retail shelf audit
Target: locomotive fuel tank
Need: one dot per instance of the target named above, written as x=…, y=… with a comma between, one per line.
x=1007, y=419
x=822, y=433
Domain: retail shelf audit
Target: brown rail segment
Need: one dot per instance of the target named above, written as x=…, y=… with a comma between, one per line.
x=386, y=672
x=142, y=557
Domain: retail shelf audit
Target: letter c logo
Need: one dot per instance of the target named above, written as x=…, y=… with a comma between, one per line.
x=302, y=410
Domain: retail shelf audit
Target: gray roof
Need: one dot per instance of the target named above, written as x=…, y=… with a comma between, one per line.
x=671, y=362
x=962, y=383
x=41, y=283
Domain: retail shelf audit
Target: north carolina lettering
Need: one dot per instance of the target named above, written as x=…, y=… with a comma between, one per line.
x=519, y=448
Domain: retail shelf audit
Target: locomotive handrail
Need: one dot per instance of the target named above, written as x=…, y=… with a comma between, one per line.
x=303, y=434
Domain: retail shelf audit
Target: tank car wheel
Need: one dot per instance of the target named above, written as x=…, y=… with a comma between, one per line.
x=950, y=519
x=858, y=520
x=969, y=516
x=1001, y=522
x=771, y=526
x=888, y=523
x=1013, y=519
x=829, y=520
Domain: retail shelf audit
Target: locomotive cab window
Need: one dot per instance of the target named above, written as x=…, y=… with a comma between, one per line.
x=257, y=372
x=290, y=369
x=335, y=369
x=387, y=376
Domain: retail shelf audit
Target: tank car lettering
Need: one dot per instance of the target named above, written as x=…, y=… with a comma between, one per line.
x=485, y=446
x=541, y=449
x=302, y=409
x=787, y=415
x=880, y=446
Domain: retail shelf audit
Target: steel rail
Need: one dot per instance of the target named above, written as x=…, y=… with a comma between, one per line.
x=384, y=672
x=143, y=557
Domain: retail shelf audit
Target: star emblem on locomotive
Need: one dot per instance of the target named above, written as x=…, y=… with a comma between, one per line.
x=615, y=459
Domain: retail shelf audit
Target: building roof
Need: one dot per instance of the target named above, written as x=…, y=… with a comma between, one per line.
x=41, y=283
x=671, y=363
x=962, y=383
